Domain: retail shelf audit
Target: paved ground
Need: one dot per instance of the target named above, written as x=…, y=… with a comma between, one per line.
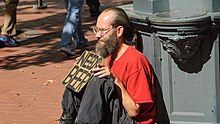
x=31, y=75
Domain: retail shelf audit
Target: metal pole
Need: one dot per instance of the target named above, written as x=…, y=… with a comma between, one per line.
x=40, y=5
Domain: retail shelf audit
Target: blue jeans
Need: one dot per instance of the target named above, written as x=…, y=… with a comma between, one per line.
x=72, y=27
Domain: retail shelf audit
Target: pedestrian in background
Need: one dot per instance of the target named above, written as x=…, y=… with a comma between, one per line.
x=72, y=28
x=8, y=29
x=93, y=7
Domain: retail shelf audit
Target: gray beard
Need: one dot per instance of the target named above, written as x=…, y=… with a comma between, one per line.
x=110, y=45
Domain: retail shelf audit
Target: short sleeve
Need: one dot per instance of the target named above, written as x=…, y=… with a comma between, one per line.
x=138, y=87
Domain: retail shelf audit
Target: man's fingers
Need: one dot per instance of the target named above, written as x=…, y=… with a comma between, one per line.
x=100, y=65
x=103, y=75
x=95, y=69
x=99, y=73
x=98, y=69
x=77, y=58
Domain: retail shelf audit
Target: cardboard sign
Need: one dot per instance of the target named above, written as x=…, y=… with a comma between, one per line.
x=80, y=74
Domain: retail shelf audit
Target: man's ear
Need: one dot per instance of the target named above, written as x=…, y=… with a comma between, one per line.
x=120, y=31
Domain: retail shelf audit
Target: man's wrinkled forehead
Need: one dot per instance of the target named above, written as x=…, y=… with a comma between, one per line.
x=105, y=19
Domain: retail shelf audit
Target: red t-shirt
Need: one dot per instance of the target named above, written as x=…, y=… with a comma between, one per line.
x=137, y=75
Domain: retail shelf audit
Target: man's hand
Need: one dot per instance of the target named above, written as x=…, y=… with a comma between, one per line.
x=130, y=106
x=103, y=71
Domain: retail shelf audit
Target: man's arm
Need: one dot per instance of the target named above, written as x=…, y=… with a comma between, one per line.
x=130, y=106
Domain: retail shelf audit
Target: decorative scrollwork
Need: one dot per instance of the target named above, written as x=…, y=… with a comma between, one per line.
x=181, y=47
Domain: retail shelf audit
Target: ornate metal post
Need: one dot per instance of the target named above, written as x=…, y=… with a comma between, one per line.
x=181, y=33
x=181, y=40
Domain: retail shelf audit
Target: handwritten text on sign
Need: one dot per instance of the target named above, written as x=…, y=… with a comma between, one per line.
x=80, y=74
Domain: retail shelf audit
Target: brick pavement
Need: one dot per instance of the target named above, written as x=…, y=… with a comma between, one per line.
x=31, y=75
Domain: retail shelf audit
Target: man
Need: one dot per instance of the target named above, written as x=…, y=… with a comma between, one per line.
x=131, y=74
x=9, y=26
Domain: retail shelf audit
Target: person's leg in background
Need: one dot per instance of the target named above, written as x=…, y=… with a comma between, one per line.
x=93, y=7
x=80, y=39
x=71, y=28
x=9, y=26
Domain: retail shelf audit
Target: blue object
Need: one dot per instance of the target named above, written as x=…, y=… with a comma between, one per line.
x=8, y=41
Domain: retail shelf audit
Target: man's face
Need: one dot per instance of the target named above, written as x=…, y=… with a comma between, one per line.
x=107, y=44
x=106, y=35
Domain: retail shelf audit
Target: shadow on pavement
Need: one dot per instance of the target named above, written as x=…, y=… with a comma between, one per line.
x=40, y=34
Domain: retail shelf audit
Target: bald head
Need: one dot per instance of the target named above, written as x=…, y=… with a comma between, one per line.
x=105, y=19
x=115, y=17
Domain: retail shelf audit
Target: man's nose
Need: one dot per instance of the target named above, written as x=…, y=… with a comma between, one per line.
x=98, y=35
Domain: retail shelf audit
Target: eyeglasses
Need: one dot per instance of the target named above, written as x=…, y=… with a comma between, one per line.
x=102, y=31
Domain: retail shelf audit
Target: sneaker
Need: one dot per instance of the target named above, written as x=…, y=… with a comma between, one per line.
x=8, y=41
x=68, y=51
